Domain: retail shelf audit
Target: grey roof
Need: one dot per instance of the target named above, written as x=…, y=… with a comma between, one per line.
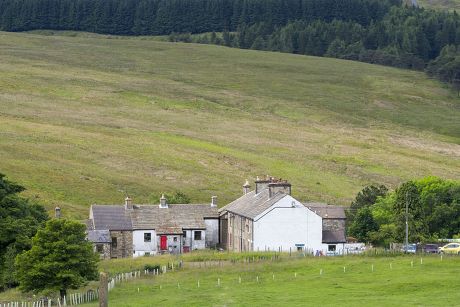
x=330, y=236
x=111, y=217
x=327, y=211
x=251, y=204
x=99, y=236
x=172, y=219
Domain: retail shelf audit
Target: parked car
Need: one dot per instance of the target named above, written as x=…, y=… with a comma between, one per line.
x=451, y=248
x=409, y=249
x=430, y=248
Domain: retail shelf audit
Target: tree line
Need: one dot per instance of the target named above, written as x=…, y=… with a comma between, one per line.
x=160, y=17
x=378, y=215
x=404, y=37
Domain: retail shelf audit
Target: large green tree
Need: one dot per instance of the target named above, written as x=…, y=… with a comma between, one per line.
x=60, y=259
x=19, y=220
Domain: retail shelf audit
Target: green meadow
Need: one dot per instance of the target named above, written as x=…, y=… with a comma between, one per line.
x=440, y=4
x=344, y=281
x=86, y=118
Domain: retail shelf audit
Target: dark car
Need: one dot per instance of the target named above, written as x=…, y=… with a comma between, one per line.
x=430, y=248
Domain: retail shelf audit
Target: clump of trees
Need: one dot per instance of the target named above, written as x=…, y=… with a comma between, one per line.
x=378, y=216
x=38, y=254
x=20, y=219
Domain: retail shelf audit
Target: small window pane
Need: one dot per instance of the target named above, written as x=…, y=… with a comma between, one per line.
x=147, y=237
x=197, y=235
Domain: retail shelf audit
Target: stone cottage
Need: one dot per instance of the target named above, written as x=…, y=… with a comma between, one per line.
x=131, y=230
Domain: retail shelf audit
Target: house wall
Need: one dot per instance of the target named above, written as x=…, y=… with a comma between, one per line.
x=339, y=249
x=124, y=246
x=240, y=230
x=212, y=233
x=105, y=254
x=286, y=226
x=224, y=231
x=140, y=247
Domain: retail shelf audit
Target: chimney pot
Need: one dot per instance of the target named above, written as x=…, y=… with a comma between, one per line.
x=213, y=201
x=246, y=187
x=163, y=202
x=128, y=203
x=57, y=212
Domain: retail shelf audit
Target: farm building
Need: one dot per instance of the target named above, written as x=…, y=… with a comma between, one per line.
x=269, y=218
x=137, y=230
x=334, y=219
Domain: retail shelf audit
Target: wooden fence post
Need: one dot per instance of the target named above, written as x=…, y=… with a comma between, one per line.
x=103, y=290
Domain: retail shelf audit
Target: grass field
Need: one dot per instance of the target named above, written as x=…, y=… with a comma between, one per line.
x=84, y=117
x=440, y=4
x=393, y=281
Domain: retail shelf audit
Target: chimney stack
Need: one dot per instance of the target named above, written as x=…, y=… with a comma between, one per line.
x=57, y=212
x=163, y=202
x=262, y=184
x=246, y=187
x=128, y=203
x=213, y=201
x=277, y=186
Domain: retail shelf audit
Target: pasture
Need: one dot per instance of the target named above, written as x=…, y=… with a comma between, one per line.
x=87, y=118
x=349, y=281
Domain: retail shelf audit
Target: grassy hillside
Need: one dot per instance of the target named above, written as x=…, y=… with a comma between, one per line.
x=83, y=118
x=440, y=4
x=393, y=281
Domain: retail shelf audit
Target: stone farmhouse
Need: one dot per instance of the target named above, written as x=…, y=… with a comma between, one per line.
x=266, y=218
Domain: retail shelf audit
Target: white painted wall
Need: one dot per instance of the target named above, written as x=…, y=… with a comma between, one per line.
x=191, y=242
x=284, y=225
x=140, y=247
x=339, y=249
x=212, y=232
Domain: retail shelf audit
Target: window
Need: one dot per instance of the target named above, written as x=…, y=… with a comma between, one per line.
x=247, y=228
x=184, y=234
x=147, y=237
x=175, y=239
x=299, y=248
x=114, y=242
x=197, y=235
x=147, y=254
x=100, y=248
x=331, y=248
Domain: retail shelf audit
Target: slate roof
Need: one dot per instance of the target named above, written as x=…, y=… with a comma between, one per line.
x=99, y=236
x=112, y=217
x=330, y=236
x=327, y=211
x=173, y=219
x=251, y=204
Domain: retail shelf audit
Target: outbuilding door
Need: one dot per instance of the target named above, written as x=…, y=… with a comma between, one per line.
x=163, y=242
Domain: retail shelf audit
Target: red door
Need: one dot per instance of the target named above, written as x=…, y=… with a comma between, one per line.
x=163, y=242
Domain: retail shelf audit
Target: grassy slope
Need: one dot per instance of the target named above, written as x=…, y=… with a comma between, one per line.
x=440, y=4
x=431, y=283
x=83, y=117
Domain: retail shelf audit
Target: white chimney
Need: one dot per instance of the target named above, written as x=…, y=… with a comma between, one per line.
x=246, y=187
x=57, y=212
x=213, y=201
x=128, y=203
x=163, y=202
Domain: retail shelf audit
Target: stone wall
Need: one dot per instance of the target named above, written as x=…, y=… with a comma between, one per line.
x=240, y=231
x=124, y=246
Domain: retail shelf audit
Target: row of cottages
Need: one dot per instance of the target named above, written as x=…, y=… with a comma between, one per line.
x=269, y=218
x=266, y=218
x=130, y=230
